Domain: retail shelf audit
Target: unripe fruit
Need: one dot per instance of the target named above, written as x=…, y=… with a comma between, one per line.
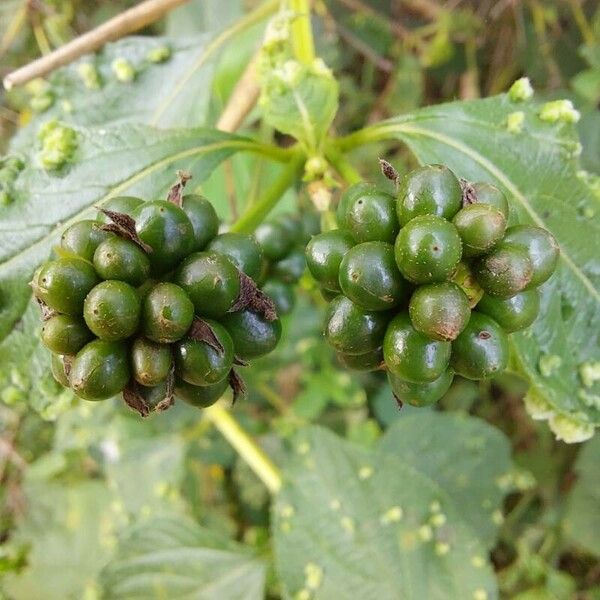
x=428, y=249
x=153, y=395
x=167, y=313
x=311, y=226
x=64, y=334
x=411, y=355
x=541, y=247
x=480, y=226
x=481, y=350
x=150, y=362
x=514, y=313
x=112, y=310
x=203, y=217
x=282, y=294
x=100, y=370
x=290, y=268
x=63, y=284
x=122, y=204
x=82, y=239
x=421, y=394
x=252, y=334
x=120, y=259
x=354, y=330
x=201, y=396
x=274, y=240
x=504, y=272
x=57, y=366
x=439, y=310
x=369, y=276
x=292, y=225
x=211, y=281
x=324, y=254
x=167, y=230
x=242, y=250
x=368, y=214
x=488, y=194
x=369, y=361
x=199, y=363
x=429, y=190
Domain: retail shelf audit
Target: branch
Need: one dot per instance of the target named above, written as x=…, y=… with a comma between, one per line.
x=131, y=20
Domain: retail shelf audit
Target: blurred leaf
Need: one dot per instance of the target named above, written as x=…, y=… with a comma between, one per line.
x=175, y=558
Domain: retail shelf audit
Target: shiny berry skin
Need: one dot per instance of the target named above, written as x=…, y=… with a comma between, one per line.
x=514, y=313
x=368, y=214
x=201, y=396
x=112, y=310
x=291, y=267
x=328, y=295
x=542, y=249
x=199, y=363
x=481, y=350
x=370, y=277
x=311, y=226
x=369, y=361
x=274, y=240
x=57, y=366
x=211, y=281
x=439, y=310
x=429, y=190
x=167, y=313
x=242, y=250
x=282, y=295
x=480, y=227
x=122, y=204
x=489, y=194
x=65, y=334
x=324, y=254
x=421, y=394
x=100, y=370
x=353, y=330
x=82, y=239
x=504, y=272
x=428, y=249
x=253, y=336
x=167, y=230
x=203, y=217
x=64, y=283
x=150, y=362
x=120, y=259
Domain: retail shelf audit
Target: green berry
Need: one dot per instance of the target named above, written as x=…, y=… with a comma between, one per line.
x=253, y=336
x=121, y=204
x=82, y=239
x=203, y=217
x=324, y=254
x=100, y=370
x=120, y=259
x=199, y=363
x=439, y=310
x=369, y=276
x=328, y=295
x=505, y=271
x=112, y=310
x=167, y=230
x=411, y=355
x=201, y=396
x=65, y=334
x=167, y=313
x=542, y=249
x=292, y=225
x=311, y=225
x=368, y=214
x=63, y=284
x=429, y=190
x=291, y=267
x=369, y=361
x=150, y=362
x=481, y=350
x=480, y=227
x=274, y=240
x=354, y=330
x=153, y=395
x=282, y=294
x=211, y=281
x=242, y=250
x=421, y=394
x=428, y=249
x=57, y=367
x=486, y=193
x=514, y=313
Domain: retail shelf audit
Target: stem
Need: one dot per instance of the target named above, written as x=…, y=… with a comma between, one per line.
x=245, y=446
x=253, y=216
x=367, y=135
x=302, y=37
x=341, y=164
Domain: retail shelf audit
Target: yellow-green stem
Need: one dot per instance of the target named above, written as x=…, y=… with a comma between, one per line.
x=302, y=37
x=342, y=166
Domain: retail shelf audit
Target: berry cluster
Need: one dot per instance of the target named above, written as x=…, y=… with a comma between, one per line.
x=428, y=283
x=149, y=300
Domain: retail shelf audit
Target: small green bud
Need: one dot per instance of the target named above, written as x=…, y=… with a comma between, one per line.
x=42, y=102
x=514, y=121
x=548, y=364
x=520, y=90
x=89, y=75
x=123, y=70
x=537, y=406
x=559, y=111
x=589, y=373
x=570, y=429
x=159, y=55
x=59, y=143
x=315, y=168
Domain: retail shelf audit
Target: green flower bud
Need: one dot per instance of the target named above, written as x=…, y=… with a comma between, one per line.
x=514, y=121
x=589, y=373
x=520, y=90
x=570, y=429
x=559, y=111
x=159, y=55
x=59, y=143
x=123, y=70
x=89, y=75
x=537, y=406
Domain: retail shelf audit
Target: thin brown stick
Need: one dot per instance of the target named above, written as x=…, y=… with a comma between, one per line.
x=131, y=20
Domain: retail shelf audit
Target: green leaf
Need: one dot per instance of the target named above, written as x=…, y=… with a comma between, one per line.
x=536, y=165
x=175, y=558
x=582, y=517
x=389, y=523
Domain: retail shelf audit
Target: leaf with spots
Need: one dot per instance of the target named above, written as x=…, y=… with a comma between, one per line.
x=387, y=523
